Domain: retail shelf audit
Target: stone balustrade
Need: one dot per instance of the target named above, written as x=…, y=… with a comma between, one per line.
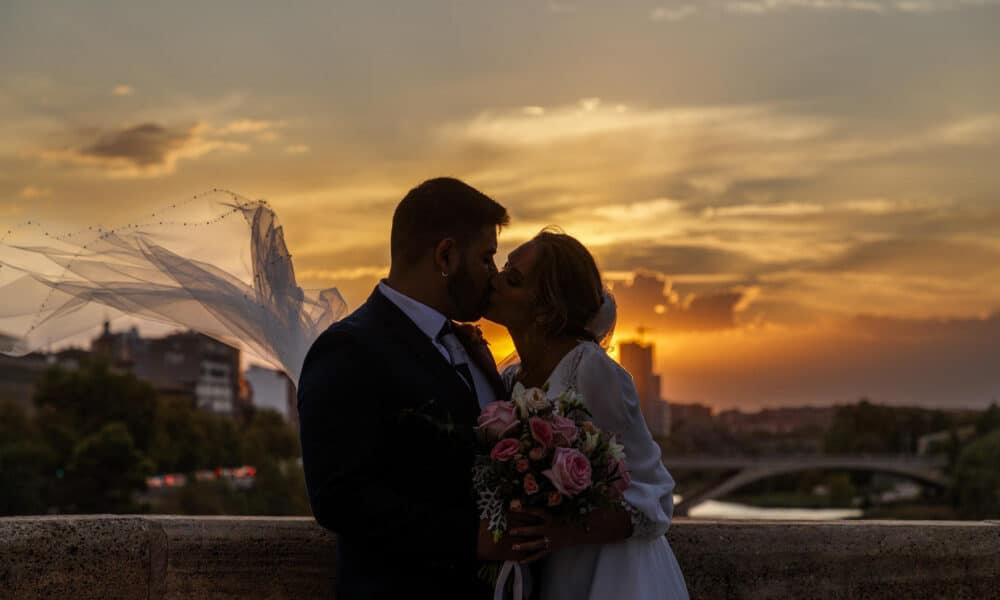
x=159, y=557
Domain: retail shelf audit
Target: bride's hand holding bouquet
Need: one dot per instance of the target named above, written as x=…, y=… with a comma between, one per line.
x=547, y=460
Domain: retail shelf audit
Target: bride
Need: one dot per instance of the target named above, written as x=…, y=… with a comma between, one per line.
x=550, y=298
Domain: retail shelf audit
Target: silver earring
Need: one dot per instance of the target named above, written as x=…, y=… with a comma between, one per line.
x=443, y=274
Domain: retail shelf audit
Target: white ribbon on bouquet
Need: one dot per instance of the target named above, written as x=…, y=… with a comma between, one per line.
x=505, y=572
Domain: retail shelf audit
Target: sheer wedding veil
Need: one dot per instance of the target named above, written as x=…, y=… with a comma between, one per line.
x=216, y=264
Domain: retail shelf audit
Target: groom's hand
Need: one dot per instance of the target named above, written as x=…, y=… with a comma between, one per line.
x=503, y=549
x=537, y=534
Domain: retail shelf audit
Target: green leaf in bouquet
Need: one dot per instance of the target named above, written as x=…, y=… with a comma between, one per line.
x=571, y=406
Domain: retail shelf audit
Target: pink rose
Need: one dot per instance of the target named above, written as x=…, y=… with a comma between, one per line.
x=564, y=430
x=570, y=472
x=497, y=419
x=624, y=479
x=522, y=465
x=505, y=450
x=530, y=485
x=536, y=454
x=541, y=430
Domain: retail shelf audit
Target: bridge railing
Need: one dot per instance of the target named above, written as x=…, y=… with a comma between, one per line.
x=163, y=557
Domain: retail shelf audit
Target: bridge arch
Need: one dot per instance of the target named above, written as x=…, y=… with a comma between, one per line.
x=752, y=473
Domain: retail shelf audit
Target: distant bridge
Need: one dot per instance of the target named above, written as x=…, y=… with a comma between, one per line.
x=748, y=469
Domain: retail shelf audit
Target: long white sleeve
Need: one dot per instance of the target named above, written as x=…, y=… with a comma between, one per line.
x=610, y=394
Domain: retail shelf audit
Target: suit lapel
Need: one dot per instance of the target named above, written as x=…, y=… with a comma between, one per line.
x=405, y=331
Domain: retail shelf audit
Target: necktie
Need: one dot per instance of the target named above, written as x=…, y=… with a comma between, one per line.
x=456, y=354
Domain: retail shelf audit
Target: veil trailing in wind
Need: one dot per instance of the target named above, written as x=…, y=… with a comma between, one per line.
x=216, y=264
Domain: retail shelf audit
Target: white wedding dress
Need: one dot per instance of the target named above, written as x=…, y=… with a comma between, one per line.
x=642, y=567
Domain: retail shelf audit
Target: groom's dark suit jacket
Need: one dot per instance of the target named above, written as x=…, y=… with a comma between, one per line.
x=387, y=446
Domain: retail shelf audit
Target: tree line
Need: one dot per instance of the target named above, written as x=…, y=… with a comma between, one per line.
x=94, y=435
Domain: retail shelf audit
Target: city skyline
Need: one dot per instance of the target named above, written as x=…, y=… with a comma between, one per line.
x=795, y=200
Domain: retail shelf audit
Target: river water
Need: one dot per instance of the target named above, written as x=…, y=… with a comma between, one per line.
x=715, y=509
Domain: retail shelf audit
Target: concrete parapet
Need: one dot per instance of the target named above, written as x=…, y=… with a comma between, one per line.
x=846, y=559
x=160, y=557
x=244, y=557
x=76, y=557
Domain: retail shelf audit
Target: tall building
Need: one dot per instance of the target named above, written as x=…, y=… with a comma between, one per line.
x=273, y=390
x=637, y=359
x=186, y=364
x=658, y=412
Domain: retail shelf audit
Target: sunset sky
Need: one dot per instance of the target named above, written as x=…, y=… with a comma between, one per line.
x=798, y=200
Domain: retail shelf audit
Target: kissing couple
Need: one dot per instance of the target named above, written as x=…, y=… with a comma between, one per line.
x=390, y=396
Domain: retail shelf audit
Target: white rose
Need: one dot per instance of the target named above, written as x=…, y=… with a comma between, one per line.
x=616, y=450
x=536, y=400
x=519, y=396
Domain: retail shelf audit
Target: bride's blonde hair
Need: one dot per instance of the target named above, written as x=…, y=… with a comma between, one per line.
x=568, y=288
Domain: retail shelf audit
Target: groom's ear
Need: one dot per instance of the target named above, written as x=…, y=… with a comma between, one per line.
x=446, y=256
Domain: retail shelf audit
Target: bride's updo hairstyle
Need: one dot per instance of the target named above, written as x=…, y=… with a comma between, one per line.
x=568, y=288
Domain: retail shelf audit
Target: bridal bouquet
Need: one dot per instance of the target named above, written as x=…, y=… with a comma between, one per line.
x=535, y=455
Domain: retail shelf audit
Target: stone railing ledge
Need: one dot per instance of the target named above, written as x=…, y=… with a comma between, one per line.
x=158, y=557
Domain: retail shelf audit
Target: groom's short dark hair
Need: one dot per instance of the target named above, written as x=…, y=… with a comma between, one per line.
x=440, y=208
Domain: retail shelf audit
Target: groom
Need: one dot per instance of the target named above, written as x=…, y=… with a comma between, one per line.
x=388, y=400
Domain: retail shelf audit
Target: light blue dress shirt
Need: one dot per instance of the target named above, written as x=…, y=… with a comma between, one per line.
x=430, y=322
